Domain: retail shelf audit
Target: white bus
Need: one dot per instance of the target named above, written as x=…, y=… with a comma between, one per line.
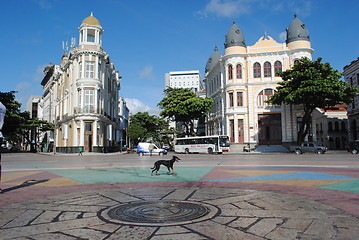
x=202, y=144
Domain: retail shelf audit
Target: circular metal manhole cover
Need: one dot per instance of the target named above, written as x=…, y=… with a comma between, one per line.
x=160, y=213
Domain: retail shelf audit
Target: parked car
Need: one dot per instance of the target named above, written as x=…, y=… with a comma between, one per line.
x=308, y=147
x=143, y=149
x=353, y=147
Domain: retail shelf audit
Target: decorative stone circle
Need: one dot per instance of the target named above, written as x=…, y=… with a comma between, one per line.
x=160, y=213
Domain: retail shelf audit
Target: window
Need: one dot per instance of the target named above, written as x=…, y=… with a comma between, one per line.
x=89, y=69
x=267, y=69
x=230, y=72
x=343, y=127
x=336, y=126
x=88, y=127
x=80, y=69
x=265, y=95
x=277, y=67
x=239, y=99
x=239, y=71
x=90, y=35
x=257, y=70
x=89, y=100
x=230, y=95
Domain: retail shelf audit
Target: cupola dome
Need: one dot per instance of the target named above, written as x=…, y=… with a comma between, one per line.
x=297, y=31
x=234, y=37
x=213, y=59
x=91, y=20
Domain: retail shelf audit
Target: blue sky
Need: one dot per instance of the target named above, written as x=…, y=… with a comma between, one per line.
x=146, y=39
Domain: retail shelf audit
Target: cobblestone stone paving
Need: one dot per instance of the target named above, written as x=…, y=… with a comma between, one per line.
x=236, y=214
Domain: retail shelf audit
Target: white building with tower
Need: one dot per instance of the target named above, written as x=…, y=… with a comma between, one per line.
x=244, y=77
x=81, y=95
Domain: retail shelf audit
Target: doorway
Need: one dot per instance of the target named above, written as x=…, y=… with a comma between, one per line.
x=269, y=129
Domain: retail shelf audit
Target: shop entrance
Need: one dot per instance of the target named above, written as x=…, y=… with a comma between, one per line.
x=269, y=129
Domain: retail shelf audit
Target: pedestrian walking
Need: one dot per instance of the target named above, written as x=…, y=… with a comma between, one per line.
x=80, y=151
x=151, y=147
x=2, y=116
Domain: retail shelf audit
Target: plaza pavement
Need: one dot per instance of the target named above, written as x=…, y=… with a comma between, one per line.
x=227, y=201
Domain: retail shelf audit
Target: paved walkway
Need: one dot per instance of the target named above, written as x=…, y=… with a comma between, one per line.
x=200, y=202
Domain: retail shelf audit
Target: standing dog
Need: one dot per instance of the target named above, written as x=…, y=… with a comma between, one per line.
x=167, y=163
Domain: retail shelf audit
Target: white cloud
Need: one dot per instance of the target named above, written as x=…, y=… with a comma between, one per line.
x=236, y=8
x=147, y=73
x=283, y=36
x=135, y=106
x=226, y=8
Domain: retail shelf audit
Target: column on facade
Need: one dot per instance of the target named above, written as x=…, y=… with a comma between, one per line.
x=82, y=131
x=94, y=133
x=96, y=99
x=82, y=99
x=252, y=123
x=83, y=66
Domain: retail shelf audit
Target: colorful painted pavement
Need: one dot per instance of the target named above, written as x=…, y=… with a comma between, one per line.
x=340, y=179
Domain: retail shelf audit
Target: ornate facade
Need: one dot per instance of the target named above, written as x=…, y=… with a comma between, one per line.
x=244, y=77
x=351, y=76
x=81, y=95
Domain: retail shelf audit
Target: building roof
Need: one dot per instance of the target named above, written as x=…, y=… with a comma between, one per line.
x=213, y=59
x=234, y=37
x=91, y=20
x=297, y=31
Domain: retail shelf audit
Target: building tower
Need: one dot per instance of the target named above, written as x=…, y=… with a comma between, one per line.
x=245, y=77
x=81, y=94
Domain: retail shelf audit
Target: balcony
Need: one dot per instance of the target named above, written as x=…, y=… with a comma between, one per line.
x=89, y=109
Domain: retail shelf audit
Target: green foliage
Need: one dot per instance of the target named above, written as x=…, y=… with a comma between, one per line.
x=13, y=117
x=312, y=84
x=17, y=124
x=183, y=105
x=143, y=126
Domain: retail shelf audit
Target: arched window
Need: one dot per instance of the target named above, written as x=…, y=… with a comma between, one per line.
x=277, y=67
x=296, y=61
x=330, y=127
x=336, y=126
x=239, y=71
x=230, y=72
x=256, y=70
x=267, y=69
x=265, y=95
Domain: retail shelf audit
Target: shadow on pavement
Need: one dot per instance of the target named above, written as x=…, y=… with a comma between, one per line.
x=24, y=184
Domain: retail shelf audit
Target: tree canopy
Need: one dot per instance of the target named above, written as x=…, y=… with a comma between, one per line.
x=18, y=125
x=312, y=84
x=183, y=105
x=13, y=116
x=143, y=126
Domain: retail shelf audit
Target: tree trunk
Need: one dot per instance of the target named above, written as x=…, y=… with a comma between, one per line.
x=305, y=126
x=187, y=128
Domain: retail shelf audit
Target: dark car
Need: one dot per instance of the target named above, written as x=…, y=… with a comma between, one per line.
x=353, y=147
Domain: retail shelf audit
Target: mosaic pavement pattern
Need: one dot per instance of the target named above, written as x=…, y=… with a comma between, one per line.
x=235, y=214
